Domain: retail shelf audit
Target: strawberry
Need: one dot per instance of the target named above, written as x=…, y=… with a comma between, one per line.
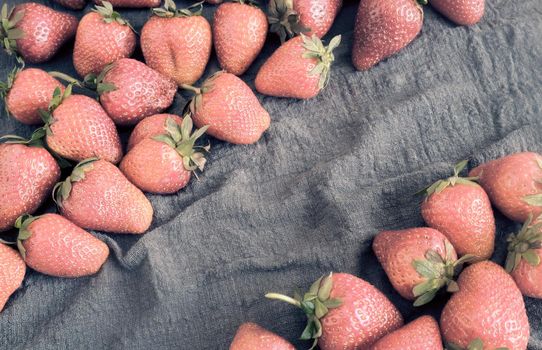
x=462, y=12
x=26, y=92
x=164, y=163
x=310, y=17
x=103, y=37
x=239, y=32
x=523, y=260
x=421, y=334
x=418, y=262
x=132, y=3
x=72, y=4
x=27, y=173
x=177, y=43
x=97, y=196
x=460, y=209
x=299, y=68
x=149, y=127
x=53, y=245
x=488, y=307
x=230, y=108
x=35, y=31
x=514, y=184
x=250, y=336
x=12, y=271
x=383, y=28
x=344, y=312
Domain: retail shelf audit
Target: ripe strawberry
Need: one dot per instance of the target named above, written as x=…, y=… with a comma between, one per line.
x=299, y=68
x=310, y=17
x=149, y=127
x=177, y=43
x=35, y=31
x=462, y=12
x=97, y=196
x=523, y=261
x=164, y=163
x=383, y=28
x=418, y=262
x=53, y=245
x=27, y=176
x=514, y=184
x=421, y=334
x=230, y=108
x=250, y=336
x=239, y=32
x=26, y=92
x=12, y=271
x=488, y=306
x=72, y=4
x=103, y=37
x=460, y=209
x=132, y=3
x=344, y=312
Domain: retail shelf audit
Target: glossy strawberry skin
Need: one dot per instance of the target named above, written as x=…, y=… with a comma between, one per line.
x=27, y=177
x=528, y=278
x=149, y=127
x=59, y=248
x=462, y=12
x=98, y=44
x=421, y=334
x=250, y=336
x=106, y=201
x=32, y=90
x=81, y=129
x=396, y=250
x=383, y=28
x=463, y=214
x=132, y=3
x=318, y=15
x=508, y=180
x=72, y=4
x=239, y=32
x=365, y=315
x=488, y=306
x=232, y=111
x=12, y=271
x=182, y=54
x=287, y=73
x=45, y=31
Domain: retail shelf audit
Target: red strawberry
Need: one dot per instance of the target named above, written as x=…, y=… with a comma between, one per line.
x=344, y=312
x=27, y=176
x=53, y=245
x=460, y=209
x=230, y=108
x=239, y=32
x=383, y=28
x=421, y=334
x=132, y=3
x=149, y=127
x=418, y=262
x=103, y=37
x=250, y=336
x=514, y=184
x=523, y=261
x=26, y=92
x=36, y=31
x=12, y=270
x=462, y=12
x=299, y=68
x=72, y=4
x=164, y=163
x=97, y=196
x=488, y=306
x=177, y=43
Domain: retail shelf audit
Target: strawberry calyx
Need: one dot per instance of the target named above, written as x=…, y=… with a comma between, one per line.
x=314, y=48
x=96, y=82
x=316, y=303
x=22, y=224
x=169, y=10
x=197, y=100
x=475, y=344
x=535, y=199
x=440, y=185
x=253, y=3
x=109, y=15
x=5, y=86
x=438, y=271
x=524, y=245
x=9, y=33
x=47, y=115
x=62, y=189
x=182, y=139
x=284, y=20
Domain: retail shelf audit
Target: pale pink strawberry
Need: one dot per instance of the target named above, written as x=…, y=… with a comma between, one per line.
x=12, y=271
x=149, y=127
x=462, y=12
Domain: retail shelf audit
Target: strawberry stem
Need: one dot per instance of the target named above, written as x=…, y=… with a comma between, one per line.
x=285, y=298
x=191, y=88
